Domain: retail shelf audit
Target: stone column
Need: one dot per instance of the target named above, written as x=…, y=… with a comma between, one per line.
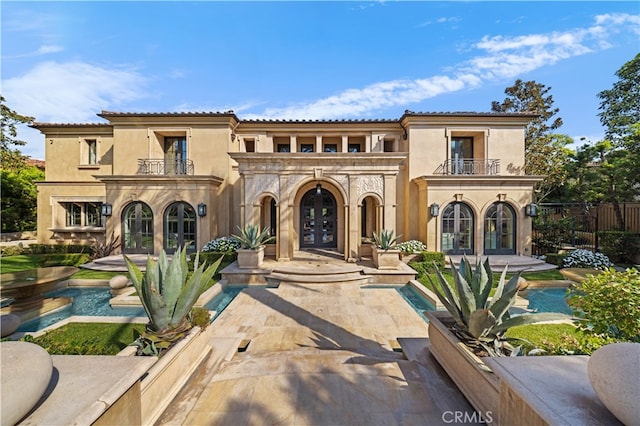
x=293, y=143
x=318, y=143
x=345, y=143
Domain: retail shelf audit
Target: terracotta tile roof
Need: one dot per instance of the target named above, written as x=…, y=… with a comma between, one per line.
x=38, y=124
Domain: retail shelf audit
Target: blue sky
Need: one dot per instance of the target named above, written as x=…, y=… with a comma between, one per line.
x=67, y=61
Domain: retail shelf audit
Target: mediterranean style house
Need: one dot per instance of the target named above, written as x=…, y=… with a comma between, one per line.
x=455, y=181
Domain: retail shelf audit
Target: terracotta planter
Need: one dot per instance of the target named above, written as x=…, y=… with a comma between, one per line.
x=250, y=259
x=469, y=372
x=385, y=259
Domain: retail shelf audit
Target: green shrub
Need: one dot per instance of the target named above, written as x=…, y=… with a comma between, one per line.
x=555, y=258
x=209, y=257
x=200, y=317
x=58, y=248
x=610, y=304
x=70, y=259
x=433, y=256
x=619, y=246
x=13, y=250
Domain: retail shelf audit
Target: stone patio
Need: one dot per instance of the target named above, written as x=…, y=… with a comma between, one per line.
x=317, y=354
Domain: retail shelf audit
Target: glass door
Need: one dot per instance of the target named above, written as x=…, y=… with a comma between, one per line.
x=461, y=156
x=499, y=230
x=457, y=229
x=137, y=226
x=175, y=156
x=318, y=219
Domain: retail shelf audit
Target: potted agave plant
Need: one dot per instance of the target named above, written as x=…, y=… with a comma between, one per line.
x=252, y=241
x=167, y=295
x=385, y=251
x=474, y=326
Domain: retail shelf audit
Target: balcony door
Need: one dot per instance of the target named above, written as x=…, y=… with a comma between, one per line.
x=461, y=151
x=137, y=228
x=175, y=155
x=457, y=229
x=499, y=230
x=318, y=220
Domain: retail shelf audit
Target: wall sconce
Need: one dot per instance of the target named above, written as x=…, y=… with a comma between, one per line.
x=233, y=137
x=318, y=189
x=202, y=209
x=105, y=209
x=434, y=209
x=531, y=210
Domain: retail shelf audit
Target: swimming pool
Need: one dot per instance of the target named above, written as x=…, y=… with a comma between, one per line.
x=87, y=301
x=550, y=299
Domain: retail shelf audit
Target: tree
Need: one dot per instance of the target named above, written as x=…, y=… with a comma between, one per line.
x=19, y=198
x=545, y=151
x=620, y=106
x=9, y=120
x=18, y=205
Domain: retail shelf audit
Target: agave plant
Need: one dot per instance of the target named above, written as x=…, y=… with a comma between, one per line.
x=167, y=296
x=385, y=240
x=252, y=238
x=479, y=319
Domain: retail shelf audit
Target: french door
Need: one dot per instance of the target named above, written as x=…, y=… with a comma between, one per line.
x=318, y=220
x=457, y=229
x=137, y=228
x=500, y=230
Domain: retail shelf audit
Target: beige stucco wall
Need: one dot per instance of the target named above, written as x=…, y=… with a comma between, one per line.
x=406, y=191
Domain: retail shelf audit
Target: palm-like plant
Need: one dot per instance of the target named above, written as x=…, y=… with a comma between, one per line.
x=167, y=295
x=480, y=319
x=385, y=240
x=251, y=237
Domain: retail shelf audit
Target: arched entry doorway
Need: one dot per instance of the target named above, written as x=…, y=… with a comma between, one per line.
x=457, y=229
x=318, y=219
x=500, y=229
x=137, y=228
x=179, y=227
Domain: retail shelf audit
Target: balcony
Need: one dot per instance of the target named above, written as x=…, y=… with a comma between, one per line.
x=469, y=167
x=164, y=167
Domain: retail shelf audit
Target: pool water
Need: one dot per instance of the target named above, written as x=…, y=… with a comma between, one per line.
x=548, y=300
x=222, y=300
x=87, y=301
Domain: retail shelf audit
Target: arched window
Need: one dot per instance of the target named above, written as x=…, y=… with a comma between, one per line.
x=500, y=229
x=457, y=229
x=179, y=227
x=137, y=228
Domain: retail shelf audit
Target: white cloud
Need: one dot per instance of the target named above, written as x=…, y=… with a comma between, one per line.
x=49, y=48
x=504, y=57
x=71, y=91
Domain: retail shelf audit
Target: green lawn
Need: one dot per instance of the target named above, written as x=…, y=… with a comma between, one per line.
x=88, y=338
x=558, y=339
x=19, y=263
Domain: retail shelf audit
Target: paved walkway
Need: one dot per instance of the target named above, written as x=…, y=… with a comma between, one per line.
x=319, y=354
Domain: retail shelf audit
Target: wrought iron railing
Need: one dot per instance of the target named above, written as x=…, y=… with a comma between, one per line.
x=165, y=167
x=469, y=167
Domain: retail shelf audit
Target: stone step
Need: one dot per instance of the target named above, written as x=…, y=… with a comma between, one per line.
x=316, y=277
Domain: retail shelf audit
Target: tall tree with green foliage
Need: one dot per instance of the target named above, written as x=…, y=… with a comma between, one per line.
x=620, y=106
x=545, y=150
x=9, y=120
x=17, y=178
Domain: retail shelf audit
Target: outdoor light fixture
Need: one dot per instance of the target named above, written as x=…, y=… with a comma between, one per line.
x=318, y=189
x=531, y=210
x=105, y=209
x=202, y=209
x=434, y=209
